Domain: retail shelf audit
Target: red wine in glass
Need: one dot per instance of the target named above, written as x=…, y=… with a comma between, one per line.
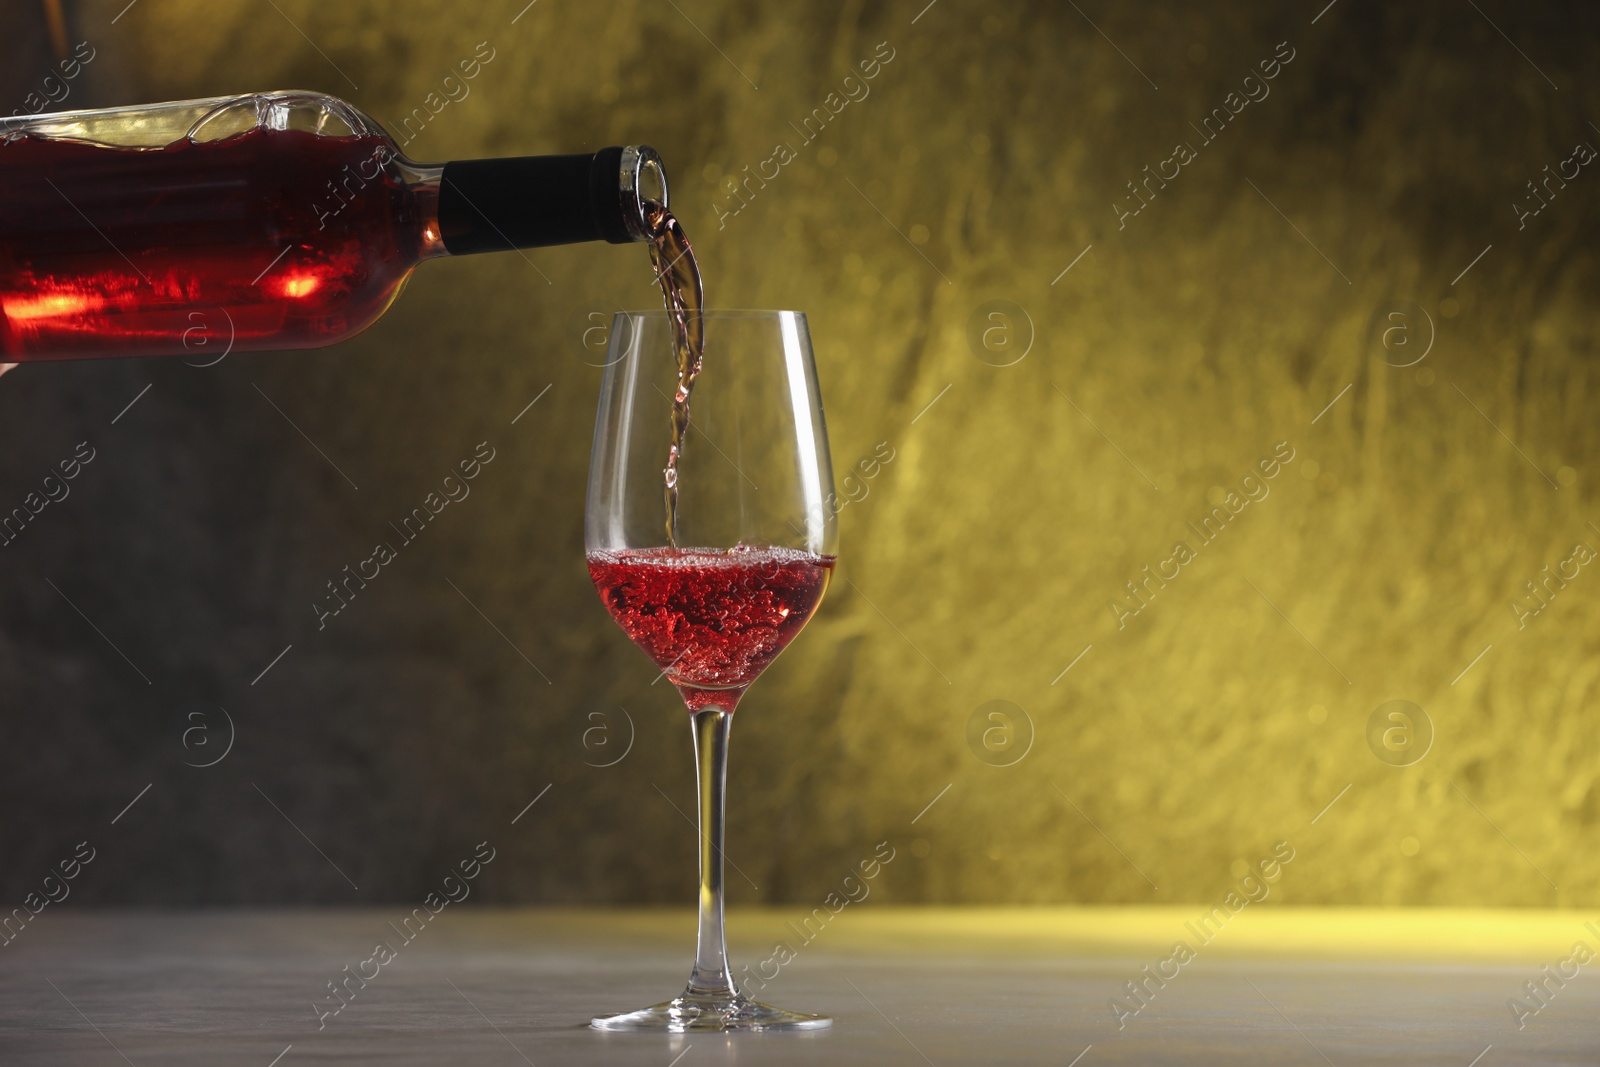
x=712, y=620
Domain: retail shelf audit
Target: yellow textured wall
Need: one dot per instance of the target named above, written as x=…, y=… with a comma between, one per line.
x=1178, y=351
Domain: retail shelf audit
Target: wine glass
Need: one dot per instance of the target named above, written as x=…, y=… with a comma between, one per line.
x=754, y=549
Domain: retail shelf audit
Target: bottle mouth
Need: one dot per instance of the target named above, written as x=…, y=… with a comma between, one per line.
x=643, y=177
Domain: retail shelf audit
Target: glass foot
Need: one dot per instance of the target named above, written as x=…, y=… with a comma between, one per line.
x=686, y=1013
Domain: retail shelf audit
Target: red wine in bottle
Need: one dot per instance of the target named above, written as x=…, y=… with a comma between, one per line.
x=271, y=221
x=713, y=620
x=224, y=244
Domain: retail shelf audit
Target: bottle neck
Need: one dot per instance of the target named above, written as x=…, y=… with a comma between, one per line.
x=422, y=181
x=493, y=205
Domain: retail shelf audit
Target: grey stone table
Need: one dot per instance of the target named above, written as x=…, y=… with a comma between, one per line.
x=904, y=986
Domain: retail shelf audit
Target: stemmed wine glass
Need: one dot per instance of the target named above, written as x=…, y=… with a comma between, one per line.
x=753, y=552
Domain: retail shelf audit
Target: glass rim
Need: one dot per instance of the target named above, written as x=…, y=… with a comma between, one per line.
x=714, y=313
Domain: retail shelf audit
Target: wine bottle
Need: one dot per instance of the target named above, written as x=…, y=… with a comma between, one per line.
x=275, y=220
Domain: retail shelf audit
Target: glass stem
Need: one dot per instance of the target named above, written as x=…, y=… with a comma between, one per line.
x=711, y=976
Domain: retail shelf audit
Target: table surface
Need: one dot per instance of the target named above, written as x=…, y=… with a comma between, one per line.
x=903, y=986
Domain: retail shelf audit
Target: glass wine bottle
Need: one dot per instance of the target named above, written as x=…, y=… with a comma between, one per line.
x=268, y=221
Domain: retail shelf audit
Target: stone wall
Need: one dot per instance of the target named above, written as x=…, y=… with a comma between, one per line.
x=1069, y=372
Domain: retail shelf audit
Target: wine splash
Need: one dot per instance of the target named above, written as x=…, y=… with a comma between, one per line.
x=679, y=277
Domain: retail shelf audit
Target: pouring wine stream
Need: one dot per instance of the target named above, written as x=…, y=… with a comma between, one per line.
x=684, y=295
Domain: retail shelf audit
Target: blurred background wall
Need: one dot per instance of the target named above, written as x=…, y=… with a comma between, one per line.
x=1065, y=384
